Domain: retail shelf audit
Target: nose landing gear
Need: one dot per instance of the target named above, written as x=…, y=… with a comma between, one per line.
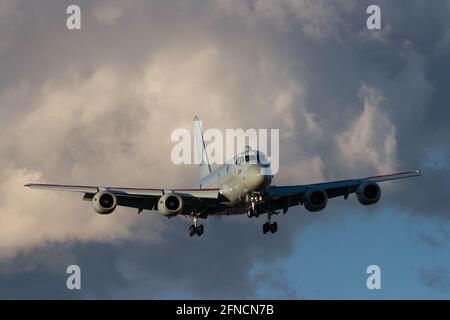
x=253, y=199
x=252, y=212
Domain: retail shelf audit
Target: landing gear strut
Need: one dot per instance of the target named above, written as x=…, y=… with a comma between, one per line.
x=196, y=229
x=252, y=212
x=269, y=225
x=253, y=199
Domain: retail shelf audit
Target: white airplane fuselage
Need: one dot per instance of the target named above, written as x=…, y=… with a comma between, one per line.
x=241, y=177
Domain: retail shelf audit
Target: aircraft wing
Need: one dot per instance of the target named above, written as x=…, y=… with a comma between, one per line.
x=283, y=197
x=140, y=198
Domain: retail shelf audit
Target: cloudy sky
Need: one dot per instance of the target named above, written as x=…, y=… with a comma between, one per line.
x=98, y=105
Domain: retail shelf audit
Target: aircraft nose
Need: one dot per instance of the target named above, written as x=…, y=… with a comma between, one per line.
x=256, y=179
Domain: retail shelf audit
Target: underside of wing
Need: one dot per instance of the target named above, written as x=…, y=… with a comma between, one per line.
x=200, y=200
x=283, y=197
x=198, y=193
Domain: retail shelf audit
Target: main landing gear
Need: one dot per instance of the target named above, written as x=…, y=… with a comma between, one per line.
x=269, y=225
x=196, y=229
x=272, y=227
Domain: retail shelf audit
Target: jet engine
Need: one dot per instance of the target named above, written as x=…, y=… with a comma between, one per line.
x=170, y=204
x=315, y=200
x=104, y=202
x=368, y=193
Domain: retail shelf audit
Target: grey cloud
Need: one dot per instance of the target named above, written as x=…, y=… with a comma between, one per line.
x=437, y=278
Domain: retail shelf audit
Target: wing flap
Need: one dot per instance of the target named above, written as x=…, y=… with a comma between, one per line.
x=60, y=187
x=394, y=176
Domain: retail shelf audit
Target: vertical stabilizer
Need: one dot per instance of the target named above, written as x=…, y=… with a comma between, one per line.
x=200, y=152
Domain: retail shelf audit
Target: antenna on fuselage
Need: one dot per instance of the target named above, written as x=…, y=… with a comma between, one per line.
x=200, y=150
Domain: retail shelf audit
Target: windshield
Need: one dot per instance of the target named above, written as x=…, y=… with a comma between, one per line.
x=250, y=159
x=258, y=158
x=262, y=160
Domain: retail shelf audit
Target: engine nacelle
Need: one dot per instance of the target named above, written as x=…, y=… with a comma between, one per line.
x=104, y=202
x=170, y=204
x=315, y=200
x=368, y=193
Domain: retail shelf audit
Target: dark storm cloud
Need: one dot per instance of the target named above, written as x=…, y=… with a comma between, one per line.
x=208, y=268
x=408, y=69
x=138, y=70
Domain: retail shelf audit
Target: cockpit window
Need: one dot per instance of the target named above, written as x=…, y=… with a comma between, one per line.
x=258, y=158
x=262, y=160
x=250, y=159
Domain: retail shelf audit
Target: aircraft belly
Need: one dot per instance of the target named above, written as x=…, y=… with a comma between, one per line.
x=229, y=211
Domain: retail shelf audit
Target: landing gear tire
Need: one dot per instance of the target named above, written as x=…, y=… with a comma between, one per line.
x=274, y=227
x=196, y=230
x=192, y=230
x=199, y=230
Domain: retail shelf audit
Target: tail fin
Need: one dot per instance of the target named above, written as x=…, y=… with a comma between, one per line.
x=200, y=152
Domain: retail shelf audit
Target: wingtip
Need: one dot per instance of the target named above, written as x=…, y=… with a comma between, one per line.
x=27, y=185
x=419, y=172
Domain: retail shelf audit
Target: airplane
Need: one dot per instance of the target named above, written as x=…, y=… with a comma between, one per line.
x=241, y=186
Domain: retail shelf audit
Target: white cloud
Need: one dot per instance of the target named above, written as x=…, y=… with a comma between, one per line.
x=113, y=128
x=370, y=141
x=30, y=219
x=303, y=170
x=72, y=134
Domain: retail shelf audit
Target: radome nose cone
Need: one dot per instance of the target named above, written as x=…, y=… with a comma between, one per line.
x=256, y=179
